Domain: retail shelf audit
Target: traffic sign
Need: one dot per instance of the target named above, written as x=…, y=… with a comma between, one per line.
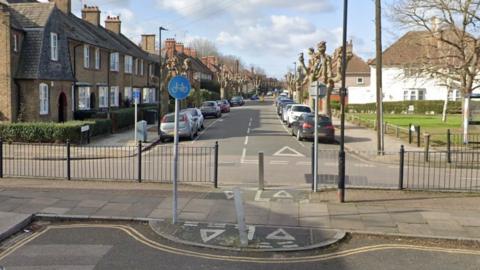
x=317, y=88
x=179, y=87
x=136, y=96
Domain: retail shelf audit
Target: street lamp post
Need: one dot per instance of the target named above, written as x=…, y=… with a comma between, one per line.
x=343, y=90
x=160, y=77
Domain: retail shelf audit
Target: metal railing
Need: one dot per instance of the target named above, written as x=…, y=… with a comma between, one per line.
x=121, y=163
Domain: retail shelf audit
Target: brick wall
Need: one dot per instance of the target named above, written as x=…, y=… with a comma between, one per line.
x=6, y=109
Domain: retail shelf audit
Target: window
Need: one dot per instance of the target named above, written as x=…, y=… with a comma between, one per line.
x=141, y=67
x=114, y=95
x=84, y=98
x=128, y=64
x=44, y=97
x=54, y=46
x=103, y=97
x=136, y=66
x=15, y=43
x=360, y=80
x=86, y=56
x=414, y=94
x=148, y=95
x=97, y=58
x=128, y=93
x=115, y=61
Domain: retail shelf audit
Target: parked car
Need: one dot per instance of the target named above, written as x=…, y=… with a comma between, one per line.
x=187, y=127
x=237, y=101
x=282, y=103
x=197, y=117
x=269, y=93
x=278, y=99
x=211, y=108
x=286, y=109
x=295, y=112
x=254, y=97
x=304, y=127
x=224, y=105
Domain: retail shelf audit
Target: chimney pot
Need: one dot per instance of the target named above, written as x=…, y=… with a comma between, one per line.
x=64, y=5
x=114, y=24
x=91, y=14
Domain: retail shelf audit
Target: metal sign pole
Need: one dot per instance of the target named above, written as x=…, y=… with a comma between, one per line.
x=136, y=118
x=315, y=141
x=175, y=162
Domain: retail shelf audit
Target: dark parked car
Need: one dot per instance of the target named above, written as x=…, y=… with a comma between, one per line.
x=254, y=97
x=237, y=101
x=211, y=108
x=282, y=103
x=304, y=127
x=224, y=105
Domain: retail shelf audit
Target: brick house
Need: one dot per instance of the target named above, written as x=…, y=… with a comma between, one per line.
x=54, y=64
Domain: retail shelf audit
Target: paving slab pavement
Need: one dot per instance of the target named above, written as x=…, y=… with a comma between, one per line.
x=425, y=214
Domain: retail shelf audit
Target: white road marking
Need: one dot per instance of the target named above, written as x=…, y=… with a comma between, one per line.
x=364, y=166
x=280, y=234
x=244, y=153
x=258, y=197
x=226, y=163
x=246, y=141
x=283, y=194
x=250, y=161
x=209, y=234
x=278, y=162
x=293, y=152
x=217, y=225
x=303, y=163
x=248, y=131
x=228, y=194
x=191, y=224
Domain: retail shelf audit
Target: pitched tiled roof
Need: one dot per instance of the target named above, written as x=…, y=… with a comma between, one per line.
x=30, y=61
x=408, y=50
x=357, y=65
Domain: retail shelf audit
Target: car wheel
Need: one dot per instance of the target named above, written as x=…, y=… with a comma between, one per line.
x=299, y=136
x=192, y=136
x=202, y=127
x=289, y=125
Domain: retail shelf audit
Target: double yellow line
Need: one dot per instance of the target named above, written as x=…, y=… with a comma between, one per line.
x=137, y=236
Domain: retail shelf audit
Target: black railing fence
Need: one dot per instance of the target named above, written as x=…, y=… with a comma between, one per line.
x=125, y=163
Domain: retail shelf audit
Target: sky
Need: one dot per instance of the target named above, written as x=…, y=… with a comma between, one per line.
x=265, y=33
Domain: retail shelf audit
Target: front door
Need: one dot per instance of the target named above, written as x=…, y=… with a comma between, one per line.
x=62, y=107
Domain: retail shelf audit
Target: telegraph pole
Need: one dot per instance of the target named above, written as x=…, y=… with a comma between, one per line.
x=378, y=66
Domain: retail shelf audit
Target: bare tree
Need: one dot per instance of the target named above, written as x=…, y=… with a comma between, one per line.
x=451, y=50
x=204, y=47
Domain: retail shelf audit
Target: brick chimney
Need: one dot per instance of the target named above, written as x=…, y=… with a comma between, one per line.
x=148, y=43
x=170, y=46
x=91, y=14
x=113, y=23
x=179, y=47
x=64, y=5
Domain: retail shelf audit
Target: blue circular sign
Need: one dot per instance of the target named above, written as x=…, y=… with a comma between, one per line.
x=179, y=87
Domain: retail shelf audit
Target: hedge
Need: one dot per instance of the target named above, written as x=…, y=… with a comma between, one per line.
x=124, y=118
x=399, y=107
x=49, y=132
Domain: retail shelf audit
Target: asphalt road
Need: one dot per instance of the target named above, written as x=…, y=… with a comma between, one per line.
x=121, y=247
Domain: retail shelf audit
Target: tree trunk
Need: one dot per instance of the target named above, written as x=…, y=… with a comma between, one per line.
x=222, y=93
x=465, y=109
x=328, y=105
x=164, y=102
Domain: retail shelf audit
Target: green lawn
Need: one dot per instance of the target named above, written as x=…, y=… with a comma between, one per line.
x=428, y=123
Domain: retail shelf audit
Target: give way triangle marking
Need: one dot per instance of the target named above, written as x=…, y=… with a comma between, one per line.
x=288, y=152
x=280, y=234
x=229, y=194
x=209, y=234
x=283, y=194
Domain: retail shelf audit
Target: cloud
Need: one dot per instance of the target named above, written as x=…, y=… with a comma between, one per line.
x=199, y=8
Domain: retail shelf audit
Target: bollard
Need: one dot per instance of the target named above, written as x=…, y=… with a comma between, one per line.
x=427, y=146
x=215, y=172
x=449, y=146
x=69, y=162
x=261, y=167
x=402, y=162
x=409, y=133
x=139, y=160
x=418, y=135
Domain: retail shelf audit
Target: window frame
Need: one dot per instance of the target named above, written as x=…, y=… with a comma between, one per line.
x=53, y=46
x=84, y=99
x=15, y=42
x=97, y=58
x=128, y=93
x=103, y=96
x=360, y=81
x=141, y=67
x=44, y=98
x=86, y=56
x=115, y=61
x=114, y=96
x=128, y=61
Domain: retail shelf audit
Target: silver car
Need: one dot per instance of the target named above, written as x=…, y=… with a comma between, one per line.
x=187, y=127
x=197, y=117
x=285, y=111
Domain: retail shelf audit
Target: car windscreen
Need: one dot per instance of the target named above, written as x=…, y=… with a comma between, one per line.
x=322, y=120
x=208, y=104
x=170, y=118
x=301, y=109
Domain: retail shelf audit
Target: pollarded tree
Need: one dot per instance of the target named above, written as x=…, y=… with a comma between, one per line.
x=449, y=40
